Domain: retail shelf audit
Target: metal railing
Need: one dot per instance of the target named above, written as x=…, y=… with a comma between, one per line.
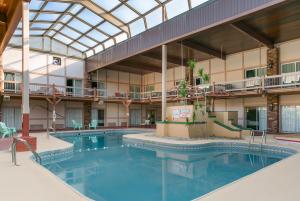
x=268, y=82
x=263, y=137
x=16, y=140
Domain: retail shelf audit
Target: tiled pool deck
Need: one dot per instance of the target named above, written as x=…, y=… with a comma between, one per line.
x=29, y=181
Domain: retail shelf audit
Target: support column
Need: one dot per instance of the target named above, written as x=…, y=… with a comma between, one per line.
x=87, y=112
x=164, y=83
x=25, y=69
x=273, y=99
x=25, y=86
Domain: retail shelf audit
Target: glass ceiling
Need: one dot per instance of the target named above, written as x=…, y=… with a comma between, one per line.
x=92, y=26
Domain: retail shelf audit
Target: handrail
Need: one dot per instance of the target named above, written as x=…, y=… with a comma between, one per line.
x=263, y=137
x=249, y=84
x=14, y=151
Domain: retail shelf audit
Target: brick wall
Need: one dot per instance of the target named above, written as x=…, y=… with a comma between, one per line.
x=273, y=100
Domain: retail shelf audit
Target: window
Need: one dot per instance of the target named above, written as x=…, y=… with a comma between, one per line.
x=290, y=67
x=256, y=118
x=149, y=88
x=255, y=72
x=198, y=81
x=100, y=86
x=12, y=81
x=74, y=87
x=135, y=91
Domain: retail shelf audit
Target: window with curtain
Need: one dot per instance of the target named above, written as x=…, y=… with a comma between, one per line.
x=288, y=68
x=73, y=114
x=262, y=118
x=12, y=117
x=135, y=91
x=290, y=119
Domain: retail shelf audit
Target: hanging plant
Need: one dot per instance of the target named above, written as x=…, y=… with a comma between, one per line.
x=191, y=64
x=182, y=89
x=205, y=78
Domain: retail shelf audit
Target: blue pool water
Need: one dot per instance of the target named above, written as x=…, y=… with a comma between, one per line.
x=104, y=169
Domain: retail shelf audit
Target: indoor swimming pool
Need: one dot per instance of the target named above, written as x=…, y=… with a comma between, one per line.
x=104, y=168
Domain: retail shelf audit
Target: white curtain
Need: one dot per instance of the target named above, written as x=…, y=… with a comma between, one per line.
x=262, y=117
x=12, y=117
x=78, y=87
x=94, y=114
x=290, y=119
x=73, y=114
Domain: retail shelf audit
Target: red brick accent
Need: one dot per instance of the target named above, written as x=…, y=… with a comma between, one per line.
x=25, y=125
x=22, y=147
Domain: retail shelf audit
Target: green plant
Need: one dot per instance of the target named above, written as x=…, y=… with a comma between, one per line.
x=204, y=76
x=191, y=63
x=182, y=89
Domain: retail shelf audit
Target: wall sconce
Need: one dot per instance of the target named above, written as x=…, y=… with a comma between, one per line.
x=271, y=107
x=270, y=65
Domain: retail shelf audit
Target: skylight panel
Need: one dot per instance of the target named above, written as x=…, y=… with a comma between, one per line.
x=63, y=39
x=57, y=27
x=121, y=37
x=75, y=8
x=86, y=41
x=107, y=4
x=109, y=43
x=41, y=25
x=98, y=49
x=36, y=32
x=142, y=6
x=31, y=15
x=65, y=18
x=154, y=18
x=56, y=6
x=35, y=4
x=47, y=17
x=176, y=7
x=51, y=33
x=109, y=28
x=137, y=27
x=71, y=33
x=79, y=47
x=195, y=3
x=97, y=35
x=80, y=26
x=125, y=14
x=89, y=17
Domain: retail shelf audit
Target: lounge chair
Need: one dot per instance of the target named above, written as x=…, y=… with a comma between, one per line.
x=93, y=124
x=76, y=125
x=6, y=131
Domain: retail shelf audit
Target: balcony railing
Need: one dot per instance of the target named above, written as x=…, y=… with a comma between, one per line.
x=269, y=82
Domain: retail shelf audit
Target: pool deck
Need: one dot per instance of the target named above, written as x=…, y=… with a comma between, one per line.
x=30, y=181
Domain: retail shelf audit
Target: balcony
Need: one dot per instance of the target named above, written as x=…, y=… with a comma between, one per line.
x=270, y=84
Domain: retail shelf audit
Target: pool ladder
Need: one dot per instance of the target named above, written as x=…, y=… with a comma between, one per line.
x=38, y=159
x=263, y=137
